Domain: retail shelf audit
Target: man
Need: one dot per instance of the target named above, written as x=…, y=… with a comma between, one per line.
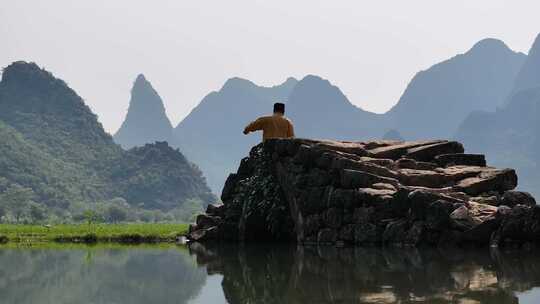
x=274, y=126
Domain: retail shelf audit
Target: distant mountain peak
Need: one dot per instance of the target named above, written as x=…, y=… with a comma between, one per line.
x=529, y=76
x=244, y=84
x=141, y=84
x=34, y=87
x=21, y=68
x=146, y=120
x=392, y=134
x=148, y=95
x=140, y=78
x=291, y=80
x=319, y=92
x=37, y=104
x=489, y=44
x=238, y=83
x=26, y=73
x=315, y=78
x=479, y=79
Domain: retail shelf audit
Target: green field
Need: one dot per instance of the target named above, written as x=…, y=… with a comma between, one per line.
x=93, y=233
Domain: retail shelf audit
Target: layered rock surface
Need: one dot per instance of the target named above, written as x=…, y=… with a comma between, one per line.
x=377, y=192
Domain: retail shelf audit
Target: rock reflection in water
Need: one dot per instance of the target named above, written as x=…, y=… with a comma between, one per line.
x=278, y=274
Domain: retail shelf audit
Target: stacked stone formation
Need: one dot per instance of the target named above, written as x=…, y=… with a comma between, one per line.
x=376, y=192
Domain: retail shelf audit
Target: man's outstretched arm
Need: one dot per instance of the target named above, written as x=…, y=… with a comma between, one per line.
x=254, y=126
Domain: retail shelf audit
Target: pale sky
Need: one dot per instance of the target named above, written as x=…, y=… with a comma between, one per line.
x=370, y=49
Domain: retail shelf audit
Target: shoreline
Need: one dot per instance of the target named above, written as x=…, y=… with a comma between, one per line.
x=129, y=233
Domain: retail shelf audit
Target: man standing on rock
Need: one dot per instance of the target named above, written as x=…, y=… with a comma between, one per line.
x=273, y=126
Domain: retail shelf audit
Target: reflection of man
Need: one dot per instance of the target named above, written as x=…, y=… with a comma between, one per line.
x=274, y=126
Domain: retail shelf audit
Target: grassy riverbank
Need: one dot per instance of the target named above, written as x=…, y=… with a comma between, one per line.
x=93, y=233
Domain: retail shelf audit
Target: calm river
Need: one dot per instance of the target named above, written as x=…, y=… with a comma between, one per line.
x=265, y=274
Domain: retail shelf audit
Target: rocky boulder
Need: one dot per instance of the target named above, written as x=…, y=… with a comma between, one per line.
x=378, y=193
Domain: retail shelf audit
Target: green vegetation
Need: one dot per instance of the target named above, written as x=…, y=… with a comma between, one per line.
x=58, y=165
x=92, y=233
x=93, y=246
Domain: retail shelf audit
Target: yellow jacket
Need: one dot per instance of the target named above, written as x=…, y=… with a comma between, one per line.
x=274, y=126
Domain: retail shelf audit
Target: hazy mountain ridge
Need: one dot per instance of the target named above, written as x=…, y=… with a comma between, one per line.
x=439, y=98
x=146, y=120
x=211, y=135
x=56, y=150
x=510, y=136
x=321, y=110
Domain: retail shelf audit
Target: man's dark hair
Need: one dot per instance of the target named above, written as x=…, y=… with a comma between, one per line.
x=279, y=108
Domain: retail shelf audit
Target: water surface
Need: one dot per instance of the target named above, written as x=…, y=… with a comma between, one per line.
x=266, y=274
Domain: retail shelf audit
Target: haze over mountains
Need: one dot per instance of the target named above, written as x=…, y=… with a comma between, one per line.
x=434, y=104
x=488, y=85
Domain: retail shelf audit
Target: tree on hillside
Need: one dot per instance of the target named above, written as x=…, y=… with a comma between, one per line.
x=2, y=212
x=90, y=216
x=115, y=214
x=18, y=199
x=36, y=212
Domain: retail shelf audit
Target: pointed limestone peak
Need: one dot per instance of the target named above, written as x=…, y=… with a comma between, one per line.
x=141, y=78
x=146, y=120
x=144, y=95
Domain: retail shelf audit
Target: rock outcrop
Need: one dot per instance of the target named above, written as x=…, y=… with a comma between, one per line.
x=377, y=193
